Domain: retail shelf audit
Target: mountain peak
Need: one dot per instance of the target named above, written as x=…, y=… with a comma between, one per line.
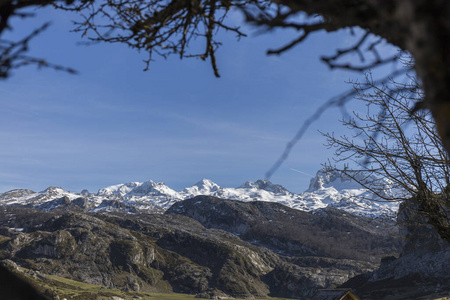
x=326, y=178
x=206, y=183
x=52, y=190
x=266, y=185
x=146, y=188
x=203, y=187
x=17, y=193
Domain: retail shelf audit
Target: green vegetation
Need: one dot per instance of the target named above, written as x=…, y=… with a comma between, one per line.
x=65, y=287
x=4, y=239
x=51, y=285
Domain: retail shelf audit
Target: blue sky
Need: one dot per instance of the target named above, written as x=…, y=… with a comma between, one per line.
x=113, y=123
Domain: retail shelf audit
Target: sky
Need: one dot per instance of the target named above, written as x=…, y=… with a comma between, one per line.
x=175, y=123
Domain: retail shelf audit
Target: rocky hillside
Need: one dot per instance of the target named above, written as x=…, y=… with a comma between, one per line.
x=181, y=253
x=327, y=232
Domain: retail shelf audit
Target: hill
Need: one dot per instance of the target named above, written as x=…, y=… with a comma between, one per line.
x=176, y=253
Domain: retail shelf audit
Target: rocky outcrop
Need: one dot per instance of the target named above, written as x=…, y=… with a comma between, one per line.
x=424, y=261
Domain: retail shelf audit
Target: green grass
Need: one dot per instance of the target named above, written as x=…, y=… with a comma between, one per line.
x=76, y=290
x=4, y=239
x=69, y=287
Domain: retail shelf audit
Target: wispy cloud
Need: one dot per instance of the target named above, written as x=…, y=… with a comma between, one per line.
x=231, y=128
x=301, y=172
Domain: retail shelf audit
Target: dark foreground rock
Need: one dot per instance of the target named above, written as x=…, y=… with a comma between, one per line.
x=14, y=287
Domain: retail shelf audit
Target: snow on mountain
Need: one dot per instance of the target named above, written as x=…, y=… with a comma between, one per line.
x=147, y=188
x=15, y=194
x=327, y=188
x=154, y=193
x=335, y=189
x=266, y=186
x=203, y=187
x=28, y=197
x=260, y=190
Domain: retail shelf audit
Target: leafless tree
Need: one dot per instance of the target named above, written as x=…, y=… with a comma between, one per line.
x=392, y=143
x=165, y=27
x=420, y=27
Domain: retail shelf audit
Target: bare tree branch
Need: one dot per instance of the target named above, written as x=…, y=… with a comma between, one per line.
x=339, y=102
x=407, y=153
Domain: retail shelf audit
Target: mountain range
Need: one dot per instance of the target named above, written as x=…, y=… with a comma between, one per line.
x=326, y=189
x=255, y=240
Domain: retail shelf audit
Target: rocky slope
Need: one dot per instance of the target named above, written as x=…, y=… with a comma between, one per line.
x=327, y=232
x=174, y=252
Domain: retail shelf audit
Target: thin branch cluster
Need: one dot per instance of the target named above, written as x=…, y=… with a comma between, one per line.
x=165, y=27
x=156, y=27
x=363, y=55
x=14, y=53
x=398, y=146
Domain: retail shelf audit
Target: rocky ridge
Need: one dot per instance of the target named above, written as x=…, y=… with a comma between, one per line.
x=293, y=232
x=214, y=247
x=173, y=252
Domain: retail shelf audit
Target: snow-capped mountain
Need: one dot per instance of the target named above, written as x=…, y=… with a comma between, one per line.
x=28, y=197
x=142, y=193
x=335, y=189
x=139, y=189
x=260, y=190
x=203, y=187
x=327, y=188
